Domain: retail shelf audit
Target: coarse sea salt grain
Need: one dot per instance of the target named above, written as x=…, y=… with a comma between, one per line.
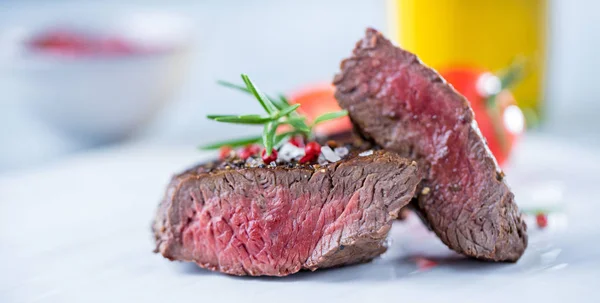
x=289, y=152
x=366, y=153
x=322, y=161
x=329, y=154
x=341, y=151
x=252, y=162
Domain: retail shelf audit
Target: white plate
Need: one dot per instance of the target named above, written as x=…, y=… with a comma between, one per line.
x=79, y=231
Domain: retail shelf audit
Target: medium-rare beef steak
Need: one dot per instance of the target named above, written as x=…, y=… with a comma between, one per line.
x=404, y=106
x=278, y=220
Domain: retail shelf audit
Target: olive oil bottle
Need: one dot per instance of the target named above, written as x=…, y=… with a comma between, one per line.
x=486, y=34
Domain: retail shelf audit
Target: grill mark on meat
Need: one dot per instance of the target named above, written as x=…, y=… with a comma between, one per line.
x=401, y=105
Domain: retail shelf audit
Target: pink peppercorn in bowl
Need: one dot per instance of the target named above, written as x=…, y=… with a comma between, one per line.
x=100, y=80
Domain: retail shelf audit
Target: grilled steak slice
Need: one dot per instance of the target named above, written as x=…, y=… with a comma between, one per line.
x=404, y=106
x=278, y=220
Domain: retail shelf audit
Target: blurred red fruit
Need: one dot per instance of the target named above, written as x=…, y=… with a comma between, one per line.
x=224, y=152
x=297, y=141
x=270, y=158
x=311, y=152
x=501, y=122
x=541, y=220
x=316, y=100
x=72, y=43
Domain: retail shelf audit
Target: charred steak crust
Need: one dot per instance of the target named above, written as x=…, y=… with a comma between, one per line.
x=278, y=220
x=406, y=107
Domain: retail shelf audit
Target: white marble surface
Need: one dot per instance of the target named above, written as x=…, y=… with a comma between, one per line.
x=79, y=231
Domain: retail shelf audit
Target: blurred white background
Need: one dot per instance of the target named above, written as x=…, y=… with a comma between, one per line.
x=282, y=45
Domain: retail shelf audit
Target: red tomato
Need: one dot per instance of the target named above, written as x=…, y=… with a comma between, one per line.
x=500, y=123
x=317, y=100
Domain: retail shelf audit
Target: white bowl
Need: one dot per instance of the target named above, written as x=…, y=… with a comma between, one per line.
x=101, y=98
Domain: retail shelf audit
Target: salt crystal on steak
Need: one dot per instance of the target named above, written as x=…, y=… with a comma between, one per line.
x=366, y=153
x=289, y=152
x=329, y=154
x=321, y=160
x=341, y=151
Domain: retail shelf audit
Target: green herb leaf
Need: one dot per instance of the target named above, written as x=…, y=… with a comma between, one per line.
x=286, y=111
x=234, y=86
x=509, y=77
x=281, y=102
x=280, y=138
x=269, y=136
x=299, y=124
x=280, y=112
x=535, y=211
x=232, y=143
x=262, y=99
x=242, y=119
x=330, y=116
x=513, y=74
x=284, y=99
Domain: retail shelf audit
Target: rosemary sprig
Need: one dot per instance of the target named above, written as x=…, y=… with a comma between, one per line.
x=266, y=103
x=281, y=102
x=513, y=74
x=233, y=143
x=243, y=119
x=253, y=119
x=330, y=116
x=233, y=85
x=299, y=124
x=279, y=112
x=269, y=136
